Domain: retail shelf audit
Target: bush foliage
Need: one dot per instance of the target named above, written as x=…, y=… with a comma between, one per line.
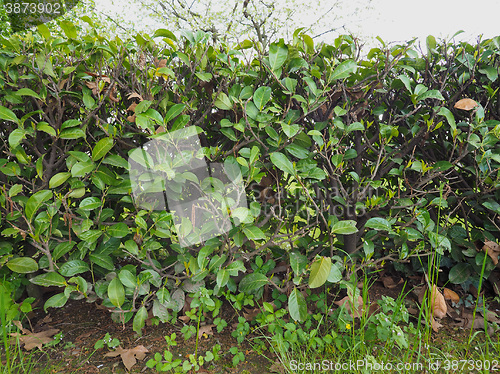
x=341, y=157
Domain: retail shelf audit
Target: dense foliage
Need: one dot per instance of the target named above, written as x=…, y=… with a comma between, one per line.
x=342, y=159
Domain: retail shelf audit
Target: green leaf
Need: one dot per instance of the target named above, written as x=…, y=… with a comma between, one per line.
x=16, y=137
x=343, y=70
x=27, y=92
x=282, y=162
x=449, y=116
x=173, y=112
x=223, y=102
x=90, y=203
x=277, y=56
x=460, y=273
x=431, y=94
x=61, y=249
x=164, y=33
x=56, y=301
x=102, y=147
x=59, y=179
x=222, y=278
x=335, y=275
x=45, y=127
x=69, y=29
x=355, y=126
x=35, y=202
x=491, y=72
x=22, y=265
x=442, y=165
x=345, y=227
x=406, y=81
x=44, y=31
x=80, y=169
x=102, y=260
x=70, y=268
x=253, y=233
x=8, y=115
x=431, y=44
x=72, y=133
x=118, y=230
x=261, y=96
x=320, y=270
x=116, y=292
x=49, y=279
x=140, y=320
x=378, y=223
x=298, y=262
x=252, y=282
x=15, y=189
x=88, y=101
x=71, y=123
x=368, y=248
x=128, y=279
x=297, y=306
x=116, y=160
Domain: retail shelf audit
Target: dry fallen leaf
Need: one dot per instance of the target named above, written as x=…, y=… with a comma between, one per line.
x=353, y=308
x=131, y=118
x=435, y=325
x=451, y=295
x=438, y=304
x=129, y=356
x=250, y=314
x=492, y=249
x=38, y=339
x=466, y=104
x=205, y=331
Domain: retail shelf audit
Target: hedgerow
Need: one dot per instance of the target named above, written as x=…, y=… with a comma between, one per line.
x=342, y=159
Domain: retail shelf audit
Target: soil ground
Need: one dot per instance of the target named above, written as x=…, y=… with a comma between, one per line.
x=83, y=324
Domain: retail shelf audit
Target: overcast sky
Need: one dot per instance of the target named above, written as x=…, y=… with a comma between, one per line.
x=392, y=20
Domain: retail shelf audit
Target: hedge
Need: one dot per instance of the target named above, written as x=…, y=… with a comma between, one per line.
x=307, y=156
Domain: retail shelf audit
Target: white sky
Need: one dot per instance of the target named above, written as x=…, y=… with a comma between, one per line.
x=392, y=20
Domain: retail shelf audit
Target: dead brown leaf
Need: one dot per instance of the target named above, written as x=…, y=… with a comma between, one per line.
x=277, y=367
x=141, y=63
x=492, y=249
x=451, y=295
x=135, y=95
x=131, y=118
x=435, y=325
x=38, y=339
x=250, y=314
x=354, y=307
x=131, y=108
x=205, y=331
x=162, y=63
x=389, y=282
x=93, y=86
x=466, y=104
x=160, y=129
x=437, y=301
x=129, y=356
x=438, y=304
x=184, y=318
x=112, y=96
x=62, y=83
